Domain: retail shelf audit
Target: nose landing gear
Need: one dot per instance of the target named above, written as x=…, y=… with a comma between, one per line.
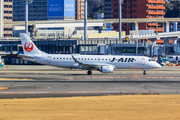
x=89, y=72
x=144, y=73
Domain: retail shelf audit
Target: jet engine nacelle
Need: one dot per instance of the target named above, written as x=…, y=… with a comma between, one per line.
x=76, y=65
x=107, y=69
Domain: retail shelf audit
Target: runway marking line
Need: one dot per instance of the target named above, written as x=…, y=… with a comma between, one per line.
x=10, y=79
x=3, y=88
x=71, y=79
x=137, y=77
x=103, y=77
x=43, y=87
x=158, y=86
x=163, y=77
x=62, y=92
x=136, y=86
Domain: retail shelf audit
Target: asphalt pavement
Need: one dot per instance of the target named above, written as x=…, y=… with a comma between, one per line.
x=40, y=81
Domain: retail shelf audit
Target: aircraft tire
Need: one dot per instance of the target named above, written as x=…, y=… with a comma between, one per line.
x=89, y=73
x=144, y=73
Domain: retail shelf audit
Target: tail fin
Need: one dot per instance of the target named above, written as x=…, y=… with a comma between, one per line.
x=28, y=46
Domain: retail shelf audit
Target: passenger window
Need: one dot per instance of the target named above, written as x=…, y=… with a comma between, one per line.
x=99, y=59
x=106, y=59
x=88, y=58
x=64, y=58
x=54, y=58
x=91, y=58
x=67, y=58
x=60, y=58
x=57, y=58
x=81, y=58
x=102, y=59
x=85, y=59
x=95, y=59
x=78, y=58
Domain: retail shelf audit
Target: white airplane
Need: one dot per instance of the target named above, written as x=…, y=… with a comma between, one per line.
x=102, y=63
x=173, y=59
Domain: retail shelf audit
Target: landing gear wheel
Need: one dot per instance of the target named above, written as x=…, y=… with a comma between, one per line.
x=144, y=73
x=89, y=73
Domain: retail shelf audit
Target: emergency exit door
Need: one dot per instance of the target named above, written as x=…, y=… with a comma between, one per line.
x=49, y=59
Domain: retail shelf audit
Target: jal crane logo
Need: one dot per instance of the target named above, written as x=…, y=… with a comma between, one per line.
x=28, y=47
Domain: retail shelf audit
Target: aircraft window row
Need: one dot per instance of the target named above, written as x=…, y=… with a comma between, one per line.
x=81, y=59
x=63, y=58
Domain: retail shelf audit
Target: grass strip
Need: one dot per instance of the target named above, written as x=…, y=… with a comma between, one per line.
x=124, y=107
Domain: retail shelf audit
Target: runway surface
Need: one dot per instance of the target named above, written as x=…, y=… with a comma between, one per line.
x=46, y=81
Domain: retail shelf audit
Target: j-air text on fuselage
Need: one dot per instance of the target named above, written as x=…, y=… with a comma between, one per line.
x=102, y=63
x=124, y=60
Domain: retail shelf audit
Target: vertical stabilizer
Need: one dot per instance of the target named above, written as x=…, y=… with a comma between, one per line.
x=28, y=46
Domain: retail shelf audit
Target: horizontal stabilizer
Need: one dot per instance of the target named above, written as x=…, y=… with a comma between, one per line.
x=25, y=56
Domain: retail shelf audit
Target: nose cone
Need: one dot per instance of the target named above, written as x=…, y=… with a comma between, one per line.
x=158, y=65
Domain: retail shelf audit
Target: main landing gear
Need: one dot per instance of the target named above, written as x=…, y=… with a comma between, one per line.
x=89, y=72
x=144, y=73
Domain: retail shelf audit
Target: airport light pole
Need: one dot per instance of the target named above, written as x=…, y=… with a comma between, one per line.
x=120, y=16
x=157, y=17
x=85, y=19
x=26, y=13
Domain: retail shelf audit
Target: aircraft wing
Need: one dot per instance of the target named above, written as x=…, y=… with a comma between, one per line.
x=25, y=56
x=89, y=65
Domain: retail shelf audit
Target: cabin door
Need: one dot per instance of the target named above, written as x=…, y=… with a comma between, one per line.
x=49, y=59
x=143, y=61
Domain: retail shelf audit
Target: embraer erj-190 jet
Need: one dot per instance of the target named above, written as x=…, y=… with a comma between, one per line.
x=102, y=63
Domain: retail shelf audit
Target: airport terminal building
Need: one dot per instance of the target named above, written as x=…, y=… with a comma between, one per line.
x=102, y=46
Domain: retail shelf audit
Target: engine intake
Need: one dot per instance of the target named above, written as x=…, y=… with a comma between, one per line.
x=107, y=69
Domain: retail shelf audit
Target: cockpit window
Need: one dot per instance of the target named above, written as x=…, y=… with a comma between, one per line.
x=151, y=60
x=171, y=57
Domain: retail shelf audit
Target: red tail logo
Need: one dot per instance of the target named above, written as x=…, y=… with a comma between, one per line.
x=28, y=47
